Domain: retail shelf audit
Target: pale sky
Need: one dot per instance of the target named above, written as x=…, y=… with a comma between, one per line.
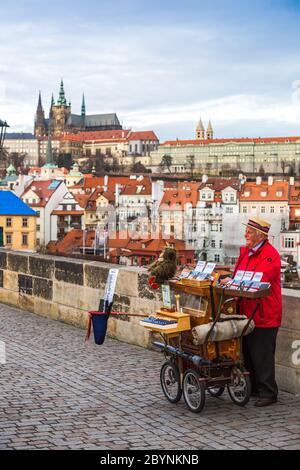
x=159, y=65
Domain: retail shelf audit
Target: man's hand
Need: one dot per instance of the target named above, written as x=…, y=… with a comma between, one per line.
x=225, y=281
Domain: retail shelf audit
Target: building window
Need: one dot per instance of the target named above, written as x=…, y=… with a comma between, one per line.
x=24, y=222
x=272, y=210
x=244, y=209
x=281, y=210
x=213, y=243
x=221, y=228
x=214, y=227
x=8, y=222
x=8, y=238
x=263, y=210
x=229, y=210
x=289, y=243
x=217, y=258
x=221, y=243
x=24, y=239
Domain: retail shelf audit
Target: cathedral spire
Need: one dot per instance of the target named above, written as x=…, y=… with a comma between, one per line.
x=51, y=109
x=40, y=101
x=62, y=99
x=210, y=131
x=39, y=123
x=200, y=131
x=83, y=106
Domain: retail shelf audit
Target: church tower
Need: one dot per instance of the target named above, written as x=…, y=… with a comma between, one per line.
x=200, y=131
x=210, y=131
x=83, y=110
x=60, y=112
x=39, y=123
x=51, y=108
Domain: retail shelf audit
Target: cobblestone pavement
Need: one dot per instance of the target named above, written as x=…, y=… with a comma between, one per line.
x=58, y=392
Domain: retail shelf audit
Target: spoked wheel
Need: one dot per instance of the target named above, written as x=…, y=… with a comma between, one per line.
x=193, y=391
x=240, y=388
x=170, y=381
x=216, y=391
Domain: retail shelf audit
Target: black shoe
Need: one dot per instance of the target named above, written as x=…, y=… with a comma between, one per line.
x=265, y=401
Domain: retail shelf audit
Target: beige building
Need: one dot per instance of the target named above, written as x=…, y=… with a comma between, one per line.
x=216, y=156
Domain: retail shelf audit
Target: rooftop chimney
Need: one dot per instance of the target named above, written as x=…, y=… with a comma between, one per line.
x=204, y=178
x=258, y=180
x=105, y=182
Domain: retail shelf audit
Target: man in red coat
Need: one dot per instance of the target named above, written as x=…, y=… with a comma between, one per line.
x=259, y=346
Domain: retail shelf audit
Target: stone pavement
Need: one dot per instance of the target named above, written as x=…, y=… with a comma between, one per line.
x=58, y=392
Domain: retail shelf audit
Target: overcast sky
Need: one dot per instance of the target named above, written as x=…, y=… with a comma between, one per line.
x=158, y=64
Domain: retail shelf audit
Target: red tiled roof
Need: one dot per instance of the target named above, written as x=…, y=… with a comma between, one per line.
x=34, y=169
x=72, y=137
x=81, y=199
x=218, y=184
x=143, y=245
x=41, y=189
x=138, y=188
x=249, y=140
x=72, y=240
x=113, y=135
x=256, y=191
x=295, y=194
x=178, y=198
x=142, y=135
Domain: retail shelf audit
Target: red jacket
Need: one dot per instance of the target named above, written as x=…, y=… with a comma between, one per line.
x=266, y=260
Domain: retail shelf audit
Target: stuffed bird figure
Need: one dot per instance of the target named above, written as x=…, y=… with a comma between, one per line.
x=163, y=268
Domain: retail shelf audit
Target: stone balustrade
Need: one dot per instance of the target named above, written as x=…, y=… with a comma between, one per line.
x=66, y=289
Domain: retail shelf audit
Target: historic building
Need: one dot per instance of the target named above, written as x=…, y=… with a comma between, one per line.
x=277, y=155
x=61, y=119
x=17, y=223
x=200, y=131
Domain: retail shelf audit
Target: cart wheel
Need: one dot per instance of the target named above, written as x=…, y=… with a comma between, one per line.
x=193, y=391
x=240, y=389
x=170, y=381
x=216, y=391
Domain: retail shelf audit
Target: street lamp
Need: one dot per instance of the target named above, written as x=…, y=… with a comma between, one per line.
x=3, y=127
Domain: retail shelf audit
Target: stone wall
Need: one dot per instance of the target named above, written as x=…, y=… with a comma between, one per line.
x=65, y=289
x=288, y=344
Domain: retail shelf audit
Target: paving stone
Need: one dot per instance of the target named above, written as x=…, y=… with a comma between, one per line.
x=59, y=392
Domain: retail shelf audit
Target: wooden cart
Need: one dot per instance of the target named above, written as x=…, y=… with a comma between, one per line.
x=191, y=369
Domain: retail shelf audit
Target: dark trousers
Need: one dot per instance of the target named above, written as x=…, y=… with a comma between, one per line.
x=259, y=360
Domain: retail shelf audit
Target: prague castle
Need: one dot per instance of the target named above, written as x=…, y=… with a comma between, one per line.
x=61, y=119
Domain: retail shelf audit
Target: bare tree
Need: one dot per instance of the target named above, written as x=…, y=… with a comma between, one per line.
x=261, y=170
x=283, y=166
x=190, y=163
x=166, y=162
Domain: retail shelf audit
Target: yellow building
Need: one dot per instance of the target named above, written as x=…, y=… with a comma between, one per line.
x=17, y=223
